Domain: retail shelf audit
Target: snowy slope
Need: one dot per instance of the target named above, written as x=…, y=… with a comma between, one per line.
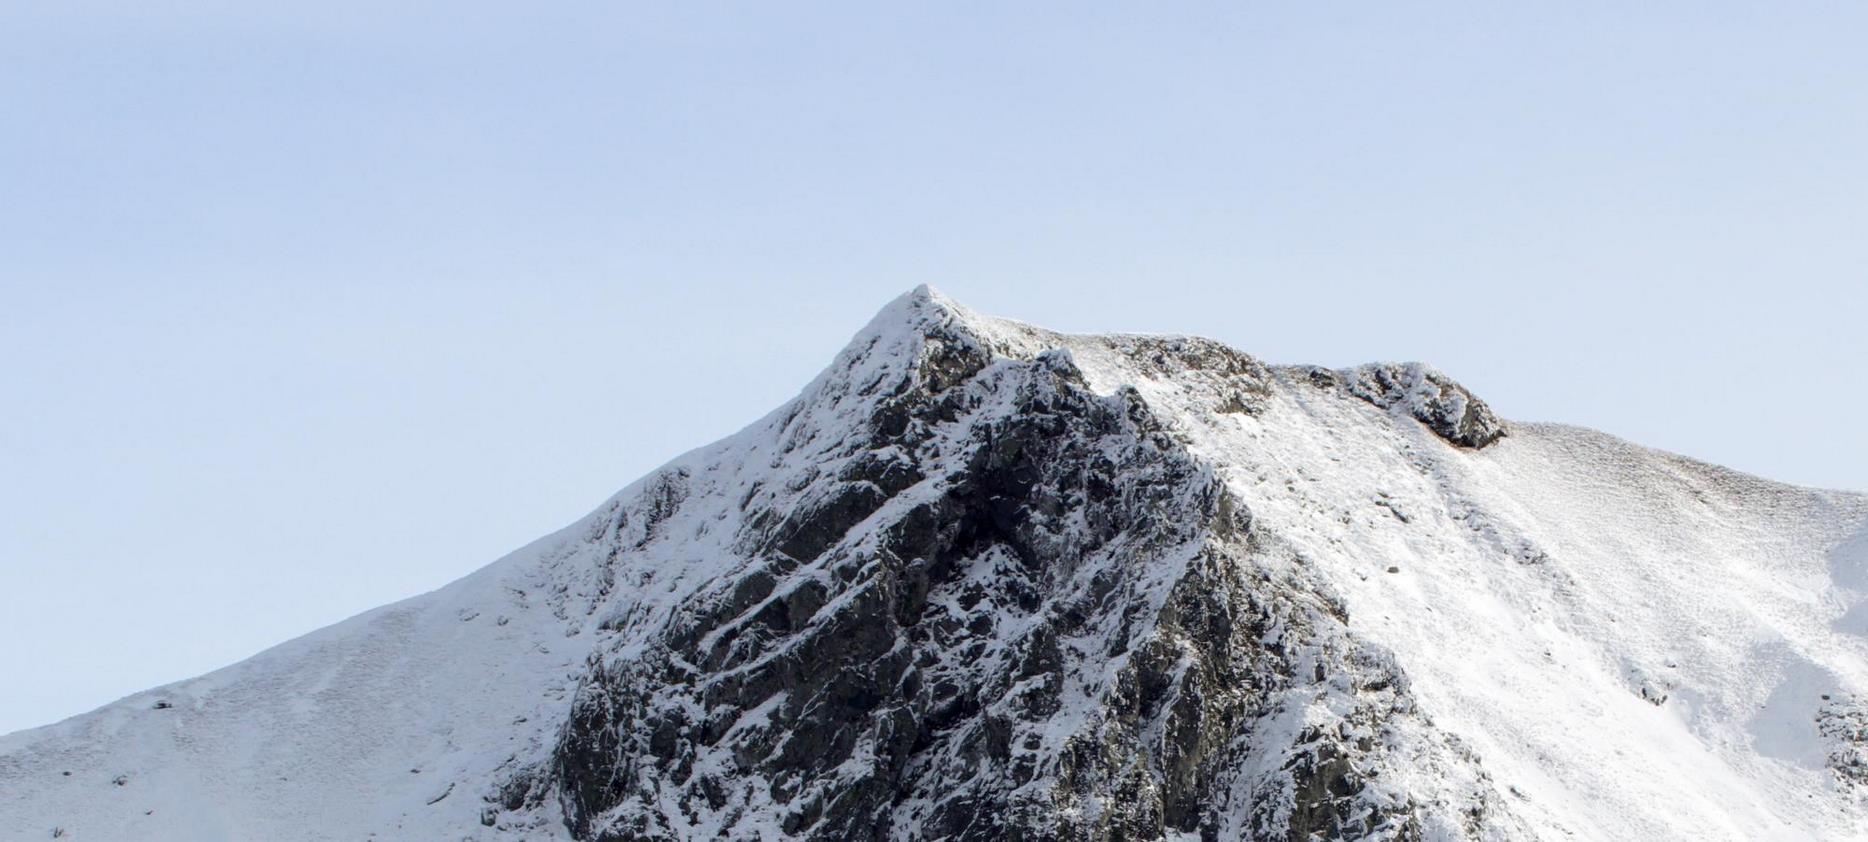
x=1434, y=626
x=350, y=730
x=1637, y=644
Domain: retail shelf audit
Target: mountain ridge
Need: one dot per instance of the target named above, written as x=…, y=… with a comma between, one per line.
x=1324, y=503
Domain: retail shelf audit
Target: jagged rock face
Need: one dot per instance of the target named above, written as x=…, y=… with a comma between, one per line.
x=1008, y=608
x=982, y=581
x=1424, y=394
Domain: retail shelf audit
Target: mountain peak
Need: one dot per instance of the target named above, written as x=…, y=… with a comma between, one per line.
x=982, y=580
x=923, y=332
x=924, y=312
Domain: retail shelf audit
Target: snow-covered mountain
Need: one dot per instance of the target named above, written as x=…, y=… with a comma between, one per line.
x=981, y=580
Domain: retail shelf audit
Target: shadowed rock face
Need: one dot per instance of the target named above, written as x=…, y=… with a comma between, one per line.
x=1012, y=609
x=981, y=580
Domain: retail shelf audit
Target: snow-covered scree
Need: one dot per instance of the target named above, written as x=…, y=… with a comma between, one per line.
x=985, y=581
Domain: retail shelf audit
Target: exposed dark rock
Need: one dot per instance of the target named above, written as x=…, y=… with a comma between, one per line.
x=1843, y=722
x=1010, y=609
x=1432, y=398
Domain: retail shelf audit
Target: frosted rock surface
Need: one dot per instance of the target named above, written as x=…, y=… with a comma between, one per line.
x=981, y=580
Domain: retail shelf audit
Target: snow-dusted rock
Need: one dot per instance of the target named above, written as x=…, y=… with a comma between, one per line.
x=985, y=581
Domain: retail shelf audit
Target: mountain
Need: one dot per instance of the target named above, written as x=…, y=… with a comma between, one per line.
x=982, y=581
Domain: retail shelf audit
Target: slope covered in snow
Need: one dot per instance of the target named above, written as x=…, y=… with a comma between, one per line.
x=983, y=580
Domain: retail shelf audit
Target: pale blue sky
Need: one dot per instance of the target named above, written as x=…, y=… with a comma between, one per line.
x=306, y=311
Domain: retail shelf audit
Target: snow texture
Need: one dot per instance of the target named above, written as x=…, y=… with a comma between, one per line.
x=982, y=580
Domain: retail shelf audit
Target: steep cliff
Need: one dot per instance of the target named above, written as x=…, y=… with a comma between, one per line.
x=985, y=581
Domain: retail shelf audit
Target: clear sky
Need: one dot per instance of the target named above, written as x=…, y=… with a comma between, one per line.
x=303, y=311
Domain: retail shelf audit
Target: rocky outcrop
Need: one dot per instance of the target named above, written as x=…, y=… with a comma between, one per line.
x=1842, y=721
x=981, y=580
x=1001, y=606
x=1423, y=393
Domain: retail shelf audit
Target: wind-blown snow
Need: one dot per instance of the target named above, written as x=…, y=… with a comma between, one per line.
x=1633, y=644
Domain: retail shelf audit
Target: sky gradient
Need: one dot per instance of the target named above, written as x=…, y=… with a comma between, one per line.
x=302, y=312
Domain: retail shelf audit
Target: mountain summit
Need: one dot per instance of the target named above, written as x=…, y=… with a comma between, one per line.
x=985, y=581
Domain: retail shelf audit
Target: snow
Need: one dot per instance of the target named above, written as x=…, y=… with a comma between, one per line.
x=350, y=730
x=1634, y=644
x=1724, y=588
x=1713, y=581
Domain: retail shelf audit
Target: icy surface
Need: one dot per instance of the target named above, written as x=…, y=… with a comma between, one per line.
x=1577, y=637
